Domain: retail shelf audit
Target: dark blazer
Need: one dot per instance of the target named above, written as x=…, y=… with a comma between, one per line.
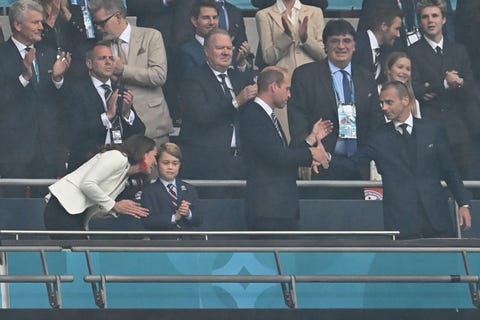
x=449, y=104
x=31, y=117
x=271, y=167
x=208, y=121
x=88, y=131
x=313, y=97
x=156, y=198
x=236, y=26
x=405, y=188
x=363, y=55
x=191, y=55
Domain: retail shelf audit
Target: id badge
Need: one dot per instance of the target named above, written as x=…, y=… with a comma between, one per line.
x=347, y=121
x=413, y=36
x=116, y=136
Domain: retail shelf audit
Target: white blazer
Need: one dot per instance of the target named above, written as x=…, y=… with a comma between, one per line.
x=93, y=186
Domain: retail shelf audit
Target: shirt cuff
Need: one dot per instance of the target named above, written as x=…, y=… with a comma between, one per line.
x=23, y=81
x=58, y=84
x=105, y=120
x=130, y=118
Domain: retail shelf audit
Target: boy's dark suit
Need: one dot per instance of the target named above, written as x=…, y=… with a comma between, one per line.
x=88, y=131
x=271, y=170
x=413, y=194
x=156, y=198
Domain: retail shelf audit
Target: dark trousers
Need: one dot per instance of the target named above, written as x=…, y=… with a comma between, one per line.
x=56, y=217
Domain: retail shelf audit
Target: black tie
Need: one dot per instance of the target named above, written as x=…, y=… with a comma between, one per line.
x=376, y=63
x=405, y=132
x=347, y=88
x=439, y=51
x=226, y=89
x=108, y=91
x=222, y=15
x=277, y=127
x=35, y=74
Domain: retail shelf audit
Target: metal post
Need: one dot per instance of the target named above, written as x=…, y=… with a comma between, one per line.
x=5, y=288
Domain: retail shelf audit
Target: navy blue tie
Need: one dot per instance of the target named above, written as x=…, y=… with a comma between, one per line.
x=347, y=88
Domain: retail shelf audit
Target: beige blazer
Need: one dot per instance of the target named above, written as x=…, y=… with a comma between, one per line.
x=280, y=50
x=145, y=73
x=93, y=186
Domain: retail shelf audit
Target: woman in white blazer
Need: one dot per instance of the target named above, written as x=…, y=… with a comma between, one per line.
x=90, y=191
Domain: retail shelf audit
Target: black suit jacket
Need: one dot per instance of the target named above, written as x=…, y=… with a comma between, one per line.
x=449, y=105
x=407, y=187
x=271, y=167
x=156, y=198
x=31, y=117
x=88, y=131
x=208, y=121
x=313, y=97
x=363, y=55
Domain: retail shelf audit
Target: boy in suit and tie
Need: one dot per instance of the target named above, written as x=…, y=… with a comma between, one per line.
x=171, y=202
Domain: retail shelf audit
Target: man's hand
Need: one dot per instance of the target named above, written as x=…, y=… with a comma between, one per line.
x=320, y=130
x=27, y=71
x=61, y=65
x=320, y=157
x=118, y=66
x=464, y=218
x=183, y=210
x=247, y=93
x=126, y=104
x=243, y=52
x=131, y=208
x=453, y=79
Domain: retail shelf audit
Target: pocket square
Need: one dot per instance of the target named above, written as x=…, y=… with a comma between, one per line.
x=140, y=51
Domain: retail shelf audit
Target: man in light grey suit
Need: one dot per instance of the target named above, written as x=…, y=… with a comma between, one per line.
x=141, y=64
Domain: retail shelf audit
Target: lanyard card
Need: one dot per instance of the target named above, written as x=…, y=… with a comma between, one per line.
x=347, y=121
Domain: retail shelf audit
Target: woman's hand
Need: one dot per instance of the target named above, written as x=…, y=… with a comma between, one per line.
x=131, y=208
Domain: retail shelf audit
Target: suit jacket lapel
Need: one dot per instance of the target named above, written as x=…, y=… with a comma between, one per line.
x=135, y=45
x=325, y=78
x=276, y=16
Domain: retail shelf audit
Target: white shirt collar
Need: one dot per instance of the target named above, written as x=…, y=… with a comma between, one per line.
x=433, y=44
x=126, y=34
x=334, y=68
x=20, y=46
x=200, y=39
x=281, y=6
x=165, y=182
x=264, y=106
x=373, y=40
x=409, y=122
x=97, y=83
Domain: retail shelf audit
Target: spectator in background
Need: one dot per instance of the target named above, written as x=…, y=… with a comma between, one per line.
x=213, y=93
x=374, y=44
x=290, y=36
x=64, y=30
x=94, y=118
x=443, y=84
x=335, y=89
x=410, y=31
x=32, y=115
x=172, y=203
x=140, y=64
x=90, y=192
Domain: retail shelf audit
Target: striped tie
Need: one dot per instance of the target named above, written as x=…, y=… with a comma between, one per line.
x=277, y=126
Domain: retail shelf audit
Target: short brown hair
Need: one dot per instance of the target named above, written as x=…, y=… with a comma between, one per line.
x=170, y=148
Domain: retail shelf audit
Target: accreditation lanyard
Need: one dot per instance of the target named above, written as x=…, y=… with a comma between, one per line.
x=347, y=114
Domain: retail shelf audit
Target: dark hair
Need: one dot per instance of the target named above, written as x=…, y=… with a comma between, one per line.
x=135, y=148
x=214, y=32
x=401, y=88
x=198, y=4
x=270, y=75
x=91, y=48
x=383, y=15
x=337, y=27
x=170, y=148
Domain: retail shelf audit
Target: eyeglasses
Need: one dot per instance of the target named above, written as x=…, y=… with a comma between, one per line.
x=338, y=41
x=102, y=23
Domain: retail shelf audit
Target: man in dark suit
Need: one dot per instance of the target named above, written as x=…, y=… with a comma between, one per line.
x=31, y=108
x=95, y=120
x=272, y=197
x=213, y=93
x=337, y=90
x=443, y=82
x=172, y=203
x=413, y=157
x=374, y=44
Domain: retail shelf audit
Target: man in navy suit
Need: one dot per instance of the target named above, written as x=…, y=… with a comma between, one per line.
x=374, y=45
x=213, y=93
x=272, y=196
x=95, y=120
x=32, y=122
x=413, y=157
x=172, y=203
x=443, y=82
